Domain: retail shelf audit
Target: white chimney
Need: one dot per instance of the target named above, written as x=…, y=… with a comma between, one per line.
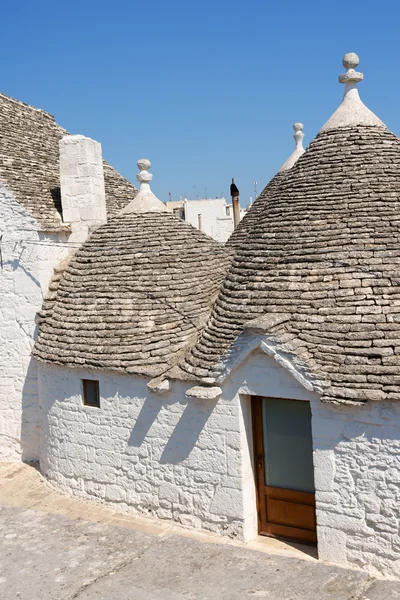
x=83, y=197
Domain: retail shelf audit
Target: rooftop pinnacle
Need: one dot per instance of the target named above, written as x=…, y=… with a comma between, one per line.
x=352, y=111
x=145, y=201
x=298, y=151
x=350, y=62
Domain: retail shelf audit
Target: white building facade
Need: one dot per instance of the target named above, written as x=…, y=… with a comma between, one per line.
x=192, y=460
x=214, y=216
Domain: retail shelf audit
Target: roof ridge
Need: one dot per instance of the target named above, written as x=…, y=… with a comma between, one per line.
x=25, y=104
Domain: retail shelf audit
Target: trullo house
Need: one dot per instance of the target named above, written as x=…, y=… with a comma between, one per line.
x=253, y=389
x=54, y=189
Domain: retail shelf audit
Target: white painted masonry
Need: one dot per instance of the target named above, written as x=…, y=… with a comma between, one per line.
x=215, y=214
x=170, y=456
x=191, y=460
x=27, y=270
x=356, y=469
x=82, y=184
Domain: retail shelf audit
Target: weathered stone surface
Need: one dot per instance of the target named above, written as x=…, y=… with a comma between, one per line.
x=29, y=164
x=383, y=590
x=206, y=393
x=178, y=569
x=324, y=249
x=49, y=556
x=250, y=219
x=133, y=297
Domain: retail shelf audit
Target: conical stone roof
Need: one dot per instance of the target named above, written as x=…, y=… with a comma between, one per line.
x=250, y=219
x=319, y=276
x=135, y=294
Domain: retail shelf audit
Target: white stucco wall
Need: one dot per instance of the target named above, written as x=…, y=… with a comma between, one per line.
x=27, y=270
x=215, y=221
x=191, y=460
x=356, y=468
x=168, y=456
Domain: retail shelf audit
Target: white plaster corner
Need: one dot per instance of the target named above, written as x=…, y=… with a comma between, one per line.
x=159, y=386
x=286, y=364
x=205, y=393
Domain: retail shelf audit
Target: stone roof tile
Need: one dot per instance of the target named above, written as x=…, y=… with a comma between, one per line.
x=29, y=164
x=133, y=297
x=251, y=217
x=325, y=250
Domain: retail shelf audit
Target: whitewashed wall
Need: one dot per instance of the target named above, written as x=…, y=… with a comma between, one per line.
x=166, y=455
x=215, y=222
x=27, y=270
x=191, y=460
x=357, y=469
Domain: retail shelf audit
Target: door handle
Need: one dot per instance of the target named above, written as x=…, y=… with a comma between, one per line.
x=260, y=461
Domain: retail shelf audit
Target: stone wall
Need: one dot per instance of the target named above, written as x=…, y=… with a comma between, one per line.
x=167, y=456
x=82, y=183
x=27, y=269
x=192, y=461
x=357, y=471
x=356, y=468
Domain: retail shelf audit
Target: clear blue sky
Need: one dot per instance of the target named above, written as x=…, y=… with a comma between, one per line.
x=207, y=90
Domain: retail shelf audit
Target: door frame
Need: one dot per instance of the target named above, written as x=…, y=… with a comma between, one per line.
x=265, y=527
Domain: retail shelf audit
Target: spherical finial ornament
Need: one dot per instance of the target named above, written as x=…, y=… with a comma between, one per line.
x=350, y=60
x=144, y=164
x=144, y=176
x=351, y=77
x=298, y=127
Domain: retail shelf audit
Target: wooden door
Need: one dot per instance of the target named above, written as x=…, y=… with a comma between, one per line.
x=284, y=469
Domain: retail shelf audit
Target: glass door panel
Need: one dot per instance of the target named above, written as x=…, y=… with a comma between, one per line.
x=288, y=444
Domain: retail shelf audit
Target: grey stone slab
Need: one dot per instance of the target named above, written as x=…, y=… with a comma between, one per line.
x=184, y=569
x=383, y=590
x=50, y=557
x=46, y=556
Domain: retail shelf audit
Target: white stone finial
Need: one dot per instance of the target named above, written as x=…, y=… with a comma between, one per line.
x=350, y=62
x=298, y=135
x=352, y=111
x=144, y=177
x=298, y=151
x=145, y=200
x=351, y=77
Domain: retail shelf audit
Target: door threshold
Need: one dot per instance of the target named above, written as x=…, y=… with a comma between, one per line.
x=281, y=547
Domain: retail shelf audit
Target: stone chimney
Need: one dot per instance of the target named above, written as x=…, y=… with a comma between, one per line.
x=82, y=185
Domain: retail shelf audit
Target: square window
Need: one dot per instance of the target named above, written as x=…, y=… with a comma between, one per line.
x=91, y=392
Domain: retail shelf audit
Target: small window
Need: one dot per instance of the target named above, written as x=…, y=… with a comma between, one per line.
x=228, y=211
x=91, y=393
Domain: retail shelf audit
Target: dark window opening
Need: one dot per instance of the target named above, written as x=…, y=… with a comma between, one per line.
x=91, y=392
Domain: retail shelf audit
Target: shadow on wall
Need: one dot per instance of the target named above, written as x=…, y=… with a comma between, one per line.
x=187, y=431
x=147, y=416
x=30, y=428
x=185, y=434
